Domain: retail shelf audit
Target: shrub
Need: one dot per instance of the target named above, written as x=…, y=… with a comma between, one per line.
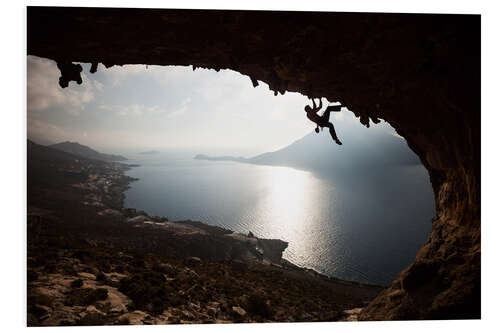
x=149, y=291
x=50, y=268
x=258, y=306
x=77, y=283
x=83, y=255
x=100, y=294
x=101, y=277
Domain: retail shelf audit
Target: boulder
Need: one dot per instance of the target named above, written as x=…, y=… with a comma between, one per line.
x=193, y=261
x=133, y=318
x=110, y=212
x=137, y=219
x=211, y=311
x=85, y=275
x=58, y=318
x=41, y=311
x=186, y=315
x=116, y=302
x=239, y=312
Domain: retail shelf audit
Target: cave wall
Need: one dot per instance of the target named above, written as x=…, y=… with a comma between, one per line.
x=421, y=73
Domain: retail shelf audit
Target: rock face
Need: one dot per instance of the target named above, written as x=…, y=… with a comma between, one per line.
x=421, y=73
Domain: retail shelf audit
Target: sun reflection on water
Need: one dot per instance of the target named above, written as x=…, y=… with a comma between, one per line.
x=289, y=209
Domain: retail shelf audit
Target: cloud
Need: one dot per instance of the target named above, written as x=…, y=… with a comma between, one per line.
x=181, y=110
x=133, y=109
x=44, y=92
x=140, y=109
x=117, y=74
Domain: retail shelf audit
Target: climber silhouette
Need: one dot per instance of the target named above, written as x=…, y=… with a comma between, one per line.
x=324, y=119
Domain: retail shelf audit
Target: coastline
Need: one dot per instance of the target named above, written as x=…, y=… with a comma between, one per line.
x=88, y=256
x=274, y=247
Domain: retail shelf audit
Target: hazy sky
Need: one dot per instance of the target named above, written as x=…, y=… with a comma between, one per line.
x=137, y=108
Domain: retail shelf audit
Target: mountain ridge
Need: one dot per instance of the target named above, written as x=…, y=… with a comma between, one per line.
x=78, y=149
x=317, y=152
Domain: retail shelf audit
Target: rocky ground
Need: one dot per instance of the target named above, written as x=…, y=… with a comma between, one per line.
x=93, y=262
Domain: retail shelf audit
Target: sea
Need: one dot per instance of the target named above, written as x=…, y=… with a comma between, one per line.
x=364, y=228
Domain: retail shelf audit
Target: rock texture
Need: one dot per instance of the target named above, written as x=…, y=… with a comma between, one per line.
x=421, y=73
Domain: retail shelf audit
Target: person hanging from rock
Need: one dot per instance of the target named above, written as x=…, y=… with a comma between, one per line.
x=324, y=119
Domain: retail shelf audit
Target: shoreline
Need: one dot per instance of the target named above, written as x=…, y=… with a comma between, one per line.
x=281, y=262
x=91, y=261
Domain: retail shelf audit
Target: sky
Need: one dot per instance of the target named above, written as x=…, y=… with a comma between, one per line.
x=137, y=107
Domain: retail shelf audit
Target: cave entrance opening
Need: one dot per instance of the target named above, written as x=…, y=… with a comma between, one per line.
x=357, y=212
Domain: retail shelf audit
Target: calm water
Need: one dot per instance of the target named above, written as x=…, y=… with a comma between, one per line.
x=364, y=228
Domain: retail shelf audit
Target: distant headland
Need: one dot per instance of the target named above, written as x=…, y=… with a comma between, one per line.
x=149, y=152
x=221, y=158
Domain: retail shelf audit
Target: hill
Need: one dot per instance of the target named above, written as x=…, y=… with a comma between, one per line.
x=87, y=152
x=316, y=152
